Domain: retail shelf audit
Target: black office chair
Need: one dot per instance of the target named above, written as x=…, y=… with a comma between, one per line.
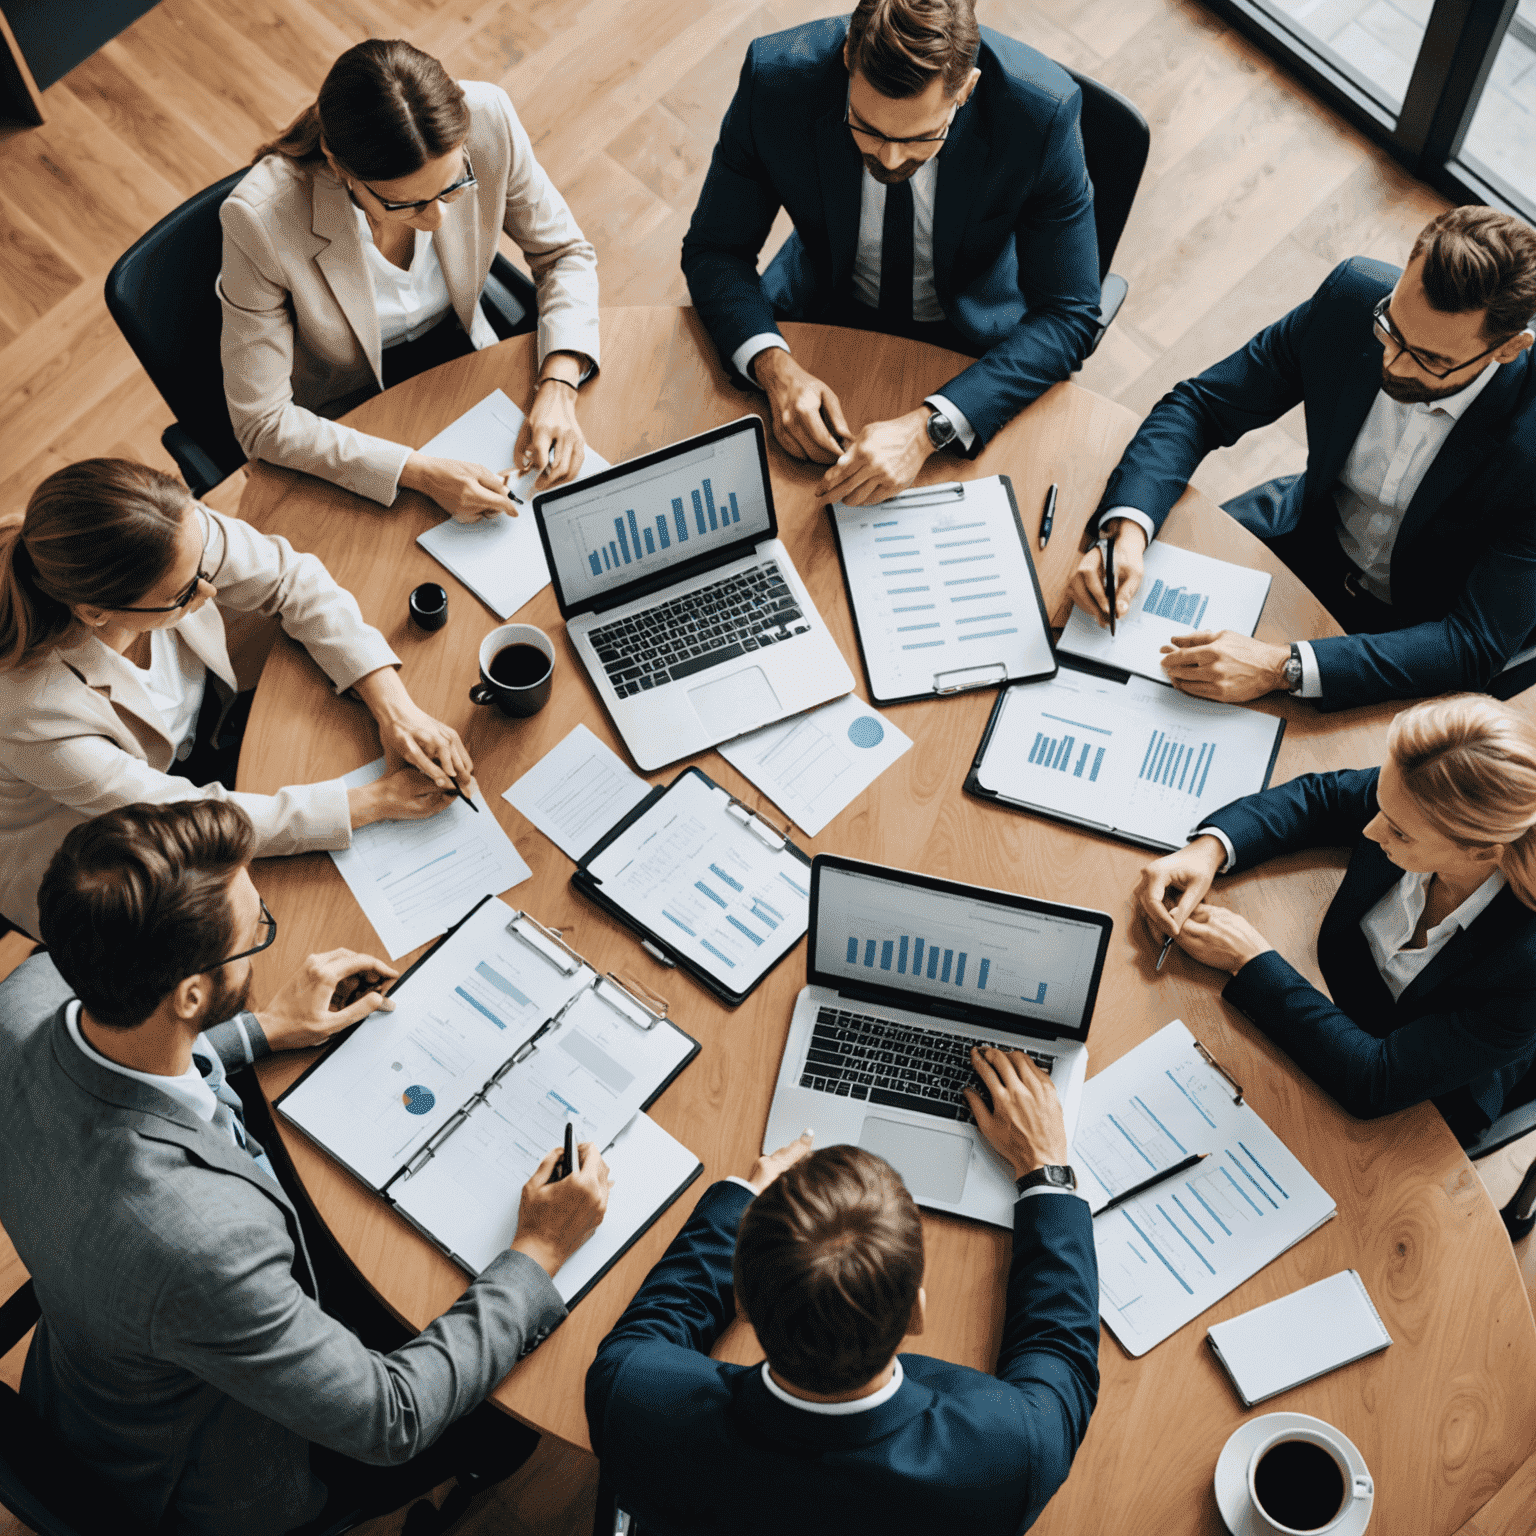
x=1115, y=143
x=1518, y=1119
x=161, y=294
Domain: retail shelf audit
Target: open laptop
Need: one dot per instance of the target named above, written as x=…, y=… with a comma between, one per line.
x=905, y=973
x=680, y=600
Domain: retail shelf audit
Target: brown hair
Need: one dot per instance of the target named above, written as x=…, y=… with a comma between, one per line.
x=137, y=900
x=1479, y=258
x=102, y=531
x=1470, y=764
x=384, y=110
x=829, y=1260
x=899, y=46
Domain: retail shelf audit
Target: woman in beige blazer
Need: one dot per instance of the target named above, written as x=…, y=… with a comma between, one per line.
x=355, y=251
x=115, y=675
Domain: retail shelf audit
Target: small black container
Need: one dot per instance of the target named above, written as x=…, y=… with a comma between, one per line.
x=429, y=606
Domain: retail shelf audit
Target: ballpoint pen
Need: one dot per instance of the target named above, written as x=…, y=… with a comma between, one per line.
x=1109, y=582
x=1162, y=954
x=1157, y=1178
x=462, y=796
x=1048, y=516
x=567, y=1164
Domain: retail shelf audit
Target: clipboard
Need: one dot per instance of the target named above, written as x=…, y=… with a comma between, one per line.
x=983, y=672
x=648, y=925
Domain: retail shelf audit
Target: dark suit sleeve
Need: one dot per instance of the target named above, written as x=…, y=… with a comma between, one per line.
x=687, y=1299
x=1058, y=256
x=1316, y=810
x=735, y=212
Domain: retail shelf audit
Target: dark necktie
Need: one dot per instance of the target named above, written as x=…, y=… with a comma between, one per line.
x=896, y=254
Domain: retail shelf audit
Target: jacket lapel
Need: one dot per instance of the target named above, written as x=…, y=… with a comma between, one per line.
x=343, y=263
x=1359, y=384
x=1504, y=924
x=960, y=168
x=840, y=169
x=457, y=243
x=103, y=670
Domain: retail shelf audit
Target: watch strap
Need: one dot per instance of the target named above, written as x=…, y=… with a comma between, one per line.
x=1052, y=1175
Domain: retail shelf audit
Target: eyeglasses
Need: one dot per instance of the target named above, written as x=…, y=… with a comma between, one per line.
x=190, y=590
x=447, y=195
x=269, y=924
x=883, y=138
x=1387, y=333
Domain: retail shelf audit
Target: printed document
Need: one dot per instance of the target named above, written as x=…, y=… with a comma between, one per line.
x=577, y=792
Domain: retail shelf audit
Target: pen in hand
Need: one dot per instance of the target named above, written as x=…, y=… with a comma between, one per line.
x=1162, y=954
x=453, y=779
x=1109, y=582
x=567, y=1164
x=1048, y=516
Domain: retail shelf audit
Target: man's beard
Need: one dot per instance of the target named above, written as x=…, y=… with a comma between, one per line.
x=1412, y=392
x=226, y=1001
x=890, y=178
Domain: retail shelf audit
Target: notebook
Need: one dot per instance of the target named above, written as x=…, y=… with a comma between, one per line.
x=1299, y=1337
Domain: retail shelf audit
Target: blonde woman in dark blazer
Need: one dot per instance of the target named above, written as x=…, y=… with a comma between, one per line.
x=355, y=252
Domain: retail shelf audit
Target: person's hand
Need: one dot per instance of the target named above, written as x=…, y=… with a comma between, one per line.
x=467, y=492
x=411, y=736
x=1221, y=939
x=404, y=795
x=327, y=993
x=1188, y=870
x=771, y=1164
x=1086, y=588
x=881, y=461
x=551, y=439
x=556, y=1216
x=1024, y=1124
x=806, y=417
x=1224, y=665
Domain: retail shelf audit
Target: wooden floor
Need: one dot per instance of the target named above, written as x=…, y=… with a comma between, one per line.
x=1252, y=194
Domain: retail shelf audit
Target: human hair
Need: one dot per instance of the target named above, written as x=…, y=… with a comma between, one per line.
x=137, y=899
x=384, y=109
x=102, y=531
x=900, y=46
x=1470, y=764
x=829, y=1260
x=1478, y=258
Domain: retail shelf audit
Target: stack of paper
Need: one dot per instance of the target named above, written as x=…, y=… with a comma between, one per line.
x=577, y=792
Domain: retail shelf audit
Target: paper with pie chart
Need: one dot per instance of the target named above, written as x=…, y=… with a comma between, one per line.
x=814, y=766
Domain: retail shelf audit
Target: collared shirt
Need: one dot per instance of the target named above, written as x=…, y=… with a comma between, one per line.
x=837, y=1410
x=176, y=682
x=1034, y=1189
x=189, y=1090
x=1389, y=927
x=412, y=300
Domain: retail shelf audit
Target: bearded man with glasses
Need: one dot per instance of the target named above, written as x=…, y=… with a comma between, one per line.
x=1415, y=521
x=934, y=172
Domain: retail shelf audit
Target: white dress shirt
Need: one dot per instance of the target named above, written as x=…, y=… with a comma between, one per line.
x=837, y=1410
x=175, y=681
x=926, y=308
x=410, y=300
x=1391, y=455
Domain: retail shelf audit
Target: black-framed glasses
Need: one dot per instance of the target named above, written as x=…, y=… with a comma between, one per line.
x=190, y=591
x=1387, y=333
x=885, y=138
x=269, y=925
x=447, y=195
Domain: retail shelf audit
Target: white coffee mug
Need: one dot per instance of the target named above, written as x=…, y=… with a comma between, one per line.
x=1356, y=1486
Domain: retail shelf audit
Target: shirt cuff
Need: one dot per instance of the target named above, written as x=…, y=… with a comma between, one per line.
x=1311, y=677
x=1050, y=1189
x=1225, y=841
x=732, y=1178
x=751, y=347
x=964, y=431
x=1141, y=520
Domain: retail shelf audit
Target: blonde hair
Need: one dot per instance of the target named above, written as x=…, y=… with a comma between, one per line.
x=1470, y=764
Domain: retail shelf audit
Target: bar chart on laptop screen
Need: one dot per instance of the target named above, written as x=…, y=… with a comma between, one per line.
x=613, y=541
x=964, y=969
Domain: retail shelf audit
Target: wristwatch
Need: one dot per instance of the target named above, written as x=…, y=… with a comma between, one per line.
x=1292, y=669
x=941, y=430
x=1054, y=1175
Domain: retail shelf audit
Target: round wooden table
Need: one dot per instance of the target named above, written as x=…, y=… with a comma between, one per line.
x=1443, y=1417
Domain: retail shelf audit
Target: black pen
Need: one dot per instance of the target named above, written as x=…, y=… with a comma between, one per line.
x=1109, y=582
x=1048, y=516
x=462, y=796
x=567, y=1164
x=1157, y=1178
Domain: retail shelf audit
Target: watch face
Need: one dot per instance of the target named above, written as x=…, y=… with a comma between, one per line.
x=941, y=430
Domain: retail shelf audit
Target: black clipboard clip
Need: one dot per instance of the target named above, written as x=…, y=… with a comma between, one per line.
x=1221, y=1072
x=986, y=674
x=756, y=822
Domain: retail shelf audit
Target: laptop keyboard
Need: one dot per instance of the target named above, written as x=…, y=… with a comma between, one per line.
x=902, y=1066
x=700, y=630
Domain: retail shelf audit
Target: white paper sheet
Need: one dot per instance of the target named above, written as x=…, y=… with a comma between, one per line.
x=413, y=879
x=1181, y=592
x=577, y=791
x=501, y=559
x=1174, y=1250
x=813, y=766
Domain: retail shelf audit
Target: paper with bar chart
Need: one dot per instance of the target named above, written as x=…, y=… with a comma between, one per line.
x=1180, y=1246
x=1181, y=592
x=1137, y=758
x=943, y=590
x=712, y=887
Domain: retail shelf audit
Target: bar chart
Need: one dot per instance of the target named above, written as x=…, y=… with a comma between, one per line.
x=905, y=954
x=1181, y=766
x=1064, y=753
x=634, y=539
x=1179, y=604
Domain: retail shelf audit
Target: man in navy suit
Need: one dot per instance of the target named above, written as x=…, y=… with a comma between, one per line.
x=836, y=1432
x=1415, y=521
x=934, y=171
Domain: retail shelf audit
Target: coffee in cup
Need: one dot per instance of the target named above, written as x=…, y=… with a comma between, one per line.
x=1301, y=1483
x=517, y=667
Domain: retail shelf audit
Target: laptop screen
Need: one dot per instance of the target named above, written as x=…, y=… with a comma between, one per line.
x=704, y=497
x=965, y=951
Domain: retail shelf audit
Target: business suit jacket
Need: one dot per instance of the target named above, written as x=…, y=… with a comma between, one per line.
x=182, y=1350
x=1464, y=565
x=692, y=1445
x=1015, y=256
x=1464, y=1030
x=79, y=735
x=301, y=327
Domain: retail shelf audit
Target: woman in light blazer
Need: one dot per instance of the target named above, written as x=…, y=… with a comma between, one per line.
x=116, y=683
x=355, y=251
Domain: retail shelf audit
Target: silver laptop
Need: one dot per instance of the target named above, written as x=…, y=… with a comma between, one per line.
x=681, y=601
x=905, y=973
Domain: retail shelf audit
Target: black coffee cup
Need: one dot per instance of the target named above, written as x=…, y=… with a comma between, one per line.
x=429, y=606
x=517, y=670
x=1299, y=1483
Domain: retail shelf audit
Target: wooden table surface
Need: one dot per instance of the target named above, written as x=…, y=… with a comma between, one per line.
x=1443, y=1417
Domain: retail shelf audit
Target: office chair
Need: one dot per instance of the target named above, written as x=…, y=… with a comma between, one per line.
x=161, y=294
x=608, y=1519
x=1115, y=142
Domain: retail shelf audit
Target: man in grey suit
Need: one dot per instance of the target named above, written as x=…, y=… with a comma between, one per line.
x=182, y=1351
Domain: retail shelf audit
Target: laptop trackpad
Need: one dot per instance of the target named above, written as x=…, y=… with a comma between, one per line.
x=737, y=703
x=933, y=1163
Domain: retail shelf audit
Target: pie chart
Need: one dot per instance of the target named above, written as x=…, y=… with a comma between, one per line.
x=866, y=731
x=418, y=1100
